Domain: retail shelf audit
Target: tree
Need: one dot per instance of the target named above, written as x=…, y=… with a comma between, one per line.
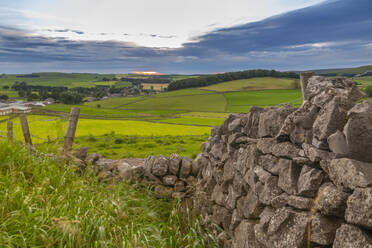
x=5, y=87
x=71, y=98
x=4, y=97
x=98, y=105
x=369, y=90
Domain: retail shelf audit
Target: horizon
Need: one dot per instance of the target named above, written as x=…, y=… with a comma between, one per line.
x=286, y=35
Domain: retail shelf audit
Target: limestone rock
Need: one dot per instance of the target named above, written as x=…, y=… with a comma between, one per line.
x=265, y=145
x=285, y=150
x=337, y=143
x=244, y=236
x=218, y=196
x=299, y=202
x=315, y=154
x=235, y=125
x=280, y=200
x=185, y=167
x=269, y=163
x=270, y=190
x=249, y=206
x=331, y=200
x=217, y=150
x=174, y=164
x=272, y=119
x=288, y=177
x=236, y=218
x=349, y=236
x=81, y=153
x=349, y=174
x=251, y=127
x=93, y=158
x=359, y=208
x=221, y=216
x=309, y=181
x=200, y=161
x=358, y=131
x=160, y=166
x=169, y=180
x=323, y=229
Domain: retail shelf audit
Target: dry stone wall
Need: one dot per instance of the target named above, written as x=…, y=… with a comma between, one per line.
x=288, y=177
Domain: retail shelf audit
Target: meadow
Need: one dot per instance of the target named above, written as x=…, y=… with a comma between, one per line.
x=49, y=204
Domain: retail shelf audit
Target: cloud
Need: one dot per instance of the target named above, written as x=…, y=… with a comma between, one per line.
x=64, y=31
x=331, y=34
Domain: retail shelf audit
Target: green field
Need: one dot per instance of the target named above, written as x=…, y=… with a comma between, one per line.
x=365, y=81
x=252, y=84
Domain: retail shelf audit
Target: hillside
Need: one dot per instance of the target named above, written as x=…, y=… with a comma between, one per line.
x=344, y=71
x=45, y=204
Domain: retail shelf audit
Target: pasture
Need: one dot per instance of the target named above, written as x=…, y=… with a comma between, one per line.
x=263, y=83
x=157, y=87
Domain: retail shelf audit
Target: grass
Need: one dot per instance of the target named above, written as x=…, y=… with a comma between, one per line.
x=184, y=92
x=215, y=115
x=365, y=81
x=263, y=83
x=190, y=120
x=44, y=204
x=114, y=102
x=10, y=93
x=242, y=101
x=134, y=146
x=54, y=127
x=210, y=102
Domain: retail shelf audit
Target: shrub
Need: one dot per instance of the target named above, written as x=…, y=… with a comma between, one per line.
x=369, y=90
x=119, y=141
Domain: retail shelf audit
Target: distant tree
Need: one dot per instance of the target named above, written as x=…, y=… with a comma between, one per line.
x=21, y=93
x=98, y=105
x=369, y=90
x=5, y=87
x=71, y=98
x=4, y=97
x=33, y=97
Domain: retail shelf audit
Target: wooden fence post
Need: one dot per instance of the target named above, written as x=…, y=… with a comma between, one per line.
x=10, y=131
x=71, y=129
x=25, y=129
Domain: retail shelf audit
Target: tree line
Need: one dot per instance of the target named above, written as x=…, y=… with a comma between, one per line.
x=225, y=77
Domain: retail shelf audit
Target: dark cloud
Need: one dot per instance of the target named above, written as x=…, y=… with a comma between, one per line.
x=64, y=31
x=331, y=34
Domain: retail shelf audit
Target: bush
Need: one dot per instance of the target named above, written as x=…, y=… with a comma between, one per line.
x=369, y=90
x=4, y=97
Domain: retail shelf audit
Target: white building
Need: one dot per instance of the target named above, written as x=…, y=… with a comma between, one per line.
x=13, y=108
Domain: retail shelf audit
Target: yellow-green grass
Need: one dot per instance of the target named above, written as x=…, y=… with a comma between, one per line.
x=214, y=115
x=45, y=203
x=242, y=101
x=210, y=102
x=195, y=121
x=365, y=81
x=262, y=83
x=10, y=93
x=157, y=87
x=185, y=92
x=55, y=127
x=114, y=102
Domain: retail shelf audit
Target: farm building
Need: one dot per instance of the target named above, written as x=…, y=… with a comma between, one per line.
x=13, y=108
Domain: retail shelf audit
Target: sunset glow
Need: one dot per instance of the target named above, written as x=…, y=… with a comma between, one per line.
x=147, y=72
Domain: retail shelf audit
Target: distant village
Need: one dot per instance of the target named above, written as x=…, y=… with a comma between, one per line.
x=21, y=107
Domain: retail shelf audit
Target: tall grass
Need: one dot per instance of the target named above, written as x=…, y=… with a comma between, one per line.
x=44, y=203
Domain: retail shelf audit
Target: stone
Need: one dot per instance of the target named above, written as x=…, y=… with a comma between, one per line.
x=265, y=145
x=239, y=184
x=218, y=196
x=309, y=181
x=236, y=218
x=217, y=150
x=359, y=208
x=105, y=164
x=331, y=118
x=270, y=190
x=280, y=200
x=179, y=186
x=163, y=192
x=331, y=200
x=221, y=216
x=349, y=236
x=250, y=206
x=148, y=170
x=269, y=163
x=299, y=202
x=81, y=153
x=235, y=125
x=288, y=177
x=315, y=154
x=323, y=229
x=286, y=228
x=174, y=164
x=272, y=119
x=185, y=167
x=231, y=198
x=169, y=180
x=93, y=158
x=229, y=170
x=251, y=127
x=191, y=181
x=261, y=173
x=160, y=166
x=178, y=195
x=349, y=174
x=358, y=131
x=244, y=236
x=200, y=161
x=223, y=239
x=130, y=173
x=337, y=143
x=285, y=150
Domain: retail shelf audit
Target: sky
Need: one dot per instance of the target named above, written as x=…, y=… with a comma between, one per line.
x=183, y=36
